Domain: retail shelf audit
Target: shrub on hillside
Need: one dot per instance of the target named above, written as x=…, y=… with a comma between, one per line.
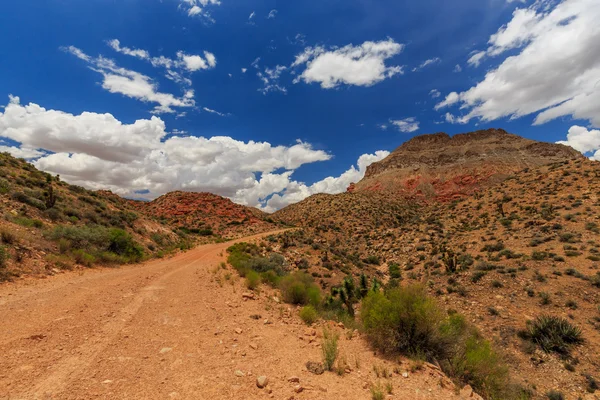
x=552, y=334
x=26, y=199
x=252, y=280
x=246, y=257
x=309, y=315
x=299, y=288
x=407, y=321
x=403, y=320
x=106, y=244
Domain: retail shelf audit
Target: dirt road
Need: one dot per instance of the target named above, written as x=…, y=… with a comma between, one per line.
x=176, y=328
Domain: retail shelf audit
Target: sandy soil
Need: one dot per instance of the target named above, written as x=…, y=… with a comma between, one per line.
x=177, y=328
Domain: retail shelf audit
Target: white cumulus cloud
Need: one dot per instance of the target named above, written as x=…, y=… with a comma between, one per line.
x=297, y=191
x=551, y=68
x=362, y=65
x=406, y=125
x=133, y=84
x=196, y=8
x=584, y=140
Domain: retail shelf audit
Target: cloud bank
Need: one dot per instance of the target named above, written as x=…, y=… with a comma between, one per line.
x=98, y=151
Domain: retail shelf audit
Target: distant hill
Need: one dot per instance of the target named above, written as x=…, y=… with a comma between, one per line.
x=207, y=214
x=444, y=168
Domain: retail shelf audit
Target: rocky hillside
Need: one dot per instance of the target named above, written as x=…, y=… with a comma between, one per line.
x=207, y=214
x=526, y=247
x=444, y=168
x=48, y=225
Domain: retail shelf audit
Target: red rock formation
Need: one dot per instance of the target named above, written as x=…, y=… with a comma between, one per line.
x=205, y=211
x=444, y=168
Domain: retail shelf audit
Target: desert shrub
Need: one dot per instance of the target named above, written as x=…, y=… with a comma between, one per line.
x=4, y=186
x=271, y=278
x=476, y=277
x=27, y=199
x=253, y=280
x=299, y=288
x=592, y=384
x=120, y=242
x=568, y=237
x=81, y=236
x=406, y=321
x=403, y=320
x=309, y=315
x=595, y=280
x=97, y=239
x=329, y=348
x=245, y=256
x=3, y=256
x=478, y=364
x=83, y=258
x=377, y=392
x=53, y=214
x=7, y=236
x=493, y=247
x=555, y=395
x=394, y=270
x=373, y=259
x=28, y=222
x=545, y=298
x=552, y=334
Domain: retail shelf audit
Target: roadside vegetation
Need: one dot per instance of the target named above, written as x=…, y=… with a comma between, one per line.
x=396, y=320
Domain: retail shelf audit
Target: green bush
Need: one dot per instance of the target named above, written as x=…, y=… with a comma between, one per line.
x=271, y=278
x=309, y=315
x=7, y=236
x=121, y=243
x=555, y=395
x=403, y=320
x=26, y=199
x=253, y=280
x=394, y=269
x=299, y=288
x=95, y=239
x=4, y=186
x=83, y=258
x=407, y=321
x=552, y=334
x=246, y=256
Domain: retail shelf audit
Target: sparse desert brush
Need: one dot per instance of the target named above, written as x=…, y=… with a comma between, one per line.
x=7, y=236
x=407, y=321
x=329, y=348
x=253, y=280
x=552, y=334
x=309, y=315
x=377, y=392
x=299, y=288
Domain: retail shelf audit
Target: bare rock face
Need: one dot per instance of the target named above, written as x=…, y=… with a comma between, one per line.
x=444, y=168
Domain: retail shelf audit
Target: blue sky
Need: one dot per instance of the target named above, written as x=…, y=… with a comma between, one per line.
x=327, y=85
